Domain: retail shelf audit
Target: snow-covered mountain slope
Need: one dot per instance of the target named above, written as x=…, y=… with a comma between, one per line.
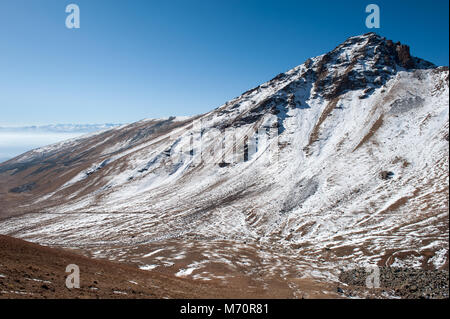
x=341, y=160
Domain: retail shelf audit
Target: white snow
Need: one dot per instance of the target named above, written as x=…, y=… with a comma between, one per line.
x=152, y=253
x=311, y=194
x=148, y=267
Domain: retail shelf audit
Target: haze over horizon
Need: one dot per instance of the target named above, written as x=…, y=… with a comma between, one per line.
x=15, y=140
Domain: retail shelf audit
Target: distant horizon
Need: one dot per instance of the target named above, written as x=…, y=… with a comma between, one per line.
x=30, y=125
x=16, y=140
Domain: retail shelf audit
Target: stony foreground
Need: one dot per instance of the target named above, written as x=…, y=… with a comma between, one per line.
x=406, y=283
x=29, y=270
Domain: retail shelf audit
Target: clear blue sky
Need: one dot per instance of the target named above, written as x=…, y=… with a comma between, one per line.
x=139, y=59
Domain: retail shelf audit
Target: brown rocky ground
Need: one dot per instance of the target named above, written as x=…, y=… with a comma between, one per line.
x=28, y=270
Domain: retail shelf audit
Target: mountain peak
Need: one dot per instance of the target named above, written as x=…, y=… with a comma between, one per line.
x=361, y=63
x=398, y=52
x=365, y=61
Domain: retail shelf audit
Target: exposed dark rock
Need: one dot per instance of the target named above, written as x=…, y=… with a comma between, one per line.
x=409, y=283
x=23, y=188
x=279, y=77
x=385, y=175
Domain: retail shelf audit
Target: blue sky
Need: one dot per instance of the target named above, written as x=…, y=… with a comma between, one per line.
x=140, y=59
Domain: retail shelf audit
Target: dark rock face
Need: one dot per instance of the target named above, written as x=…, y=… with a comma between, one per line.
x=401, y=54
x=385, y=175
x=23, y=188
x=409, y=283
x=404, y=57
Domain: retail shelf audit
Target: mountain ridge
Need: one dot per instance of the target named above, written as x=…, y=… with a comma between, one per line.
x=339, y=162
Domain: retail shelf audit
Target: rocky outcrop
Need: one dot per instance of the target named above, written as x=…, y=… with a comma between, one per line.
x=401, y=54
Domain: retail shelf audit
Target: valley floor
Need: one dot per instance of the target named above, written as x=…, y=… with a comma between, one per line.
x=28, y=270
